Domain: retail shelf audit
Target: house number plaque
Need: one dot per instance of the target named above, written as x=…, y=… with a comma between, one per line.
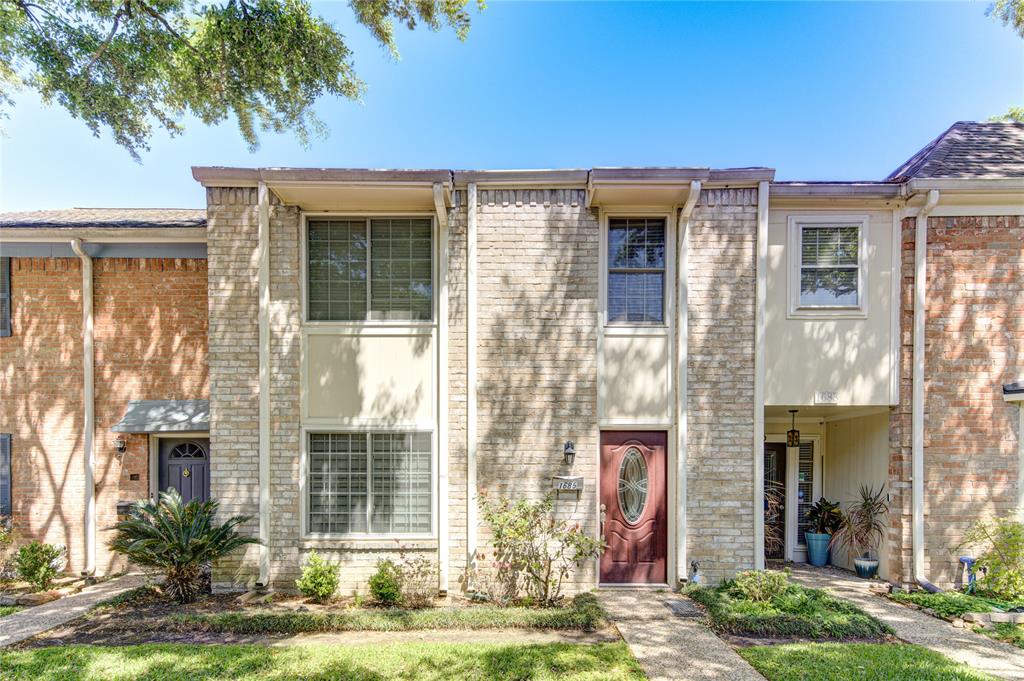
x=567, y=483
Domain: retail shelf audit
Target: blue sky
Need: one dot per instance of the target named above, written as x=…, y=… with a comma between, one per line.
x=818, y=91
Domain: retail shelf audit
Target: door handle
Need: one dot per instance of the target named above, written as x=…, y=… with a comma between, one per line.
x=604, y=514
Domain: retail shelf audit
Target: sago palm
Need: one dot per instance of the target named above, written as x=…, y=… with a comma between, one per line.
x=179, y=538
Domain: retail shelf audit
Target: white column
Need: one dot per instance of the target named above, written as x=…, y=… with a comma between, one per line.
x=263, y=321
x=759, y=371
x=442, y=388
x=471, y=378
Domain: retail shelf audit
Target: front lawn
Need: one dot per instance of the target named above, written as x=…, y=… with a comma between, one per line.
x=411, y=661
x=861, y=661
x=792, y=611
x=952, y=603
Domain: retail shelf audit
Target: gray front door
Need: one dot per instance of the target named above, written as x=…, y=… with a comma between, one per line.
x=185, y=466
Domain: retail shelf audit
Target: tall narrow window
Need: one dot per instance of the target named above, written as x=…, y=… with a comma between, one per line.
x=376, y=268
x=5, y=477
x=370, y=483
x=636, y=270
x=5, y=297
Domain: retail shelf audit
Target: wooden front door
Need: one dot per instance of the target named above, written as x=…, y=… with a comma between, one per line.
x=634, y=507
x=185, y=466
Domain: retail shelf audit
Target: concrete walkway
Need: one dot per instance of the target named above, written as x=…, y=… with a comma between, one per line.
x=913, y=626
x=32, y=621
x=665, y=633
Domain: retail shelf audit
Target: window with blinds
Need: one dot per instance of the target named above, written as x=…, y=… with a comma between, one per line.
x=5, y=478
x=830, y=265
x=369, y=483
x=636, y=270
x=5, y=297
x=804, y=489
x=370, y=269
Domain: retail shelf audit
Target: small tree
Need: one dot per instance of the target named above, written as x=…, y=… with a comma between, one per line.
x=181, y=539
x=1002, y=557
x=863, y=525
x=38, y=564
x=534, y=549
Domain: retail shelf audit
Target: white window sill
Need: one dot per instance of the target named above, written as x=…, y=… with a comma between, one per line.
x=368, y=544
x=827, y=313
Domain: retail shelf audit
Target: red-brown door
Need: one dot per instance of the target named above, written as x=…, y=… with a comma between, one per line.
x=634, y=507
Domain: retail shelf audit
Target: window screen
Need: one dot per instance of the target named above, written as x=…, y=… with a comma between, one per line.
x=830, y=265
x=377, y=483
x=379, y=268
x=636, y=270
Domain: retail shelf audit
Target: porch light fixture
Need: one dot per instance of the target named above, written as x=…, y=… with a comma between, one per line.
x=569, y=452
x=793, y=435
x=120, y=445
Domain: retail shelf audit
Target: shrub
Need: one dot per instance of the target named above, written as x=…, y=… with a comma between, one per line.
x=418, y=579
x=534, y=550
x=386, y=584
x=38, y=564
x=824, y=517
x=7, y=553
x=181, y=539
x=759, y=585
x=863, y=525
x=319, y=578
x=1002, y=557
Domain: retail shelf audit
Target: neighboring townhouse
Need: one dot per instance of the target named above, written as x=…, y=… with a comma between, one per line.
x=381, y=347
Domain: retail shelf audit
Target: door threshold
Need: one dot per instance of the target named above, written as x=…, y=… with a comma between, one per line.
x=636, y=585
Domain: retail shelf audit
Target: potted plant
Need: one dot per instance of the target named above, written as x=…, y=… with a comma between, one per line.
x=862, y=527
x=824, y=518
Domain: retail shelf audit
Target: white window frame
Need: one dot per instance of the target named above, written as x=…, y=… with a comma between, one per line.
x=304, y=490
x=667, y=300
x=798, y=310
x=367, y=216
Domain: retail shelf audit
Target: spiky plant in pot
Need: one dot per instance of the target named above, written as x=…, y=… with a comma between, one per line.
x=182, y=539
x=863, y=527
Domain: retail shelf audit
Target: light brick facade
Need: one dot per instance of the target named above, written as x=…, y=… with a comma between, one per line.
x=974, y=337
x=150, y=343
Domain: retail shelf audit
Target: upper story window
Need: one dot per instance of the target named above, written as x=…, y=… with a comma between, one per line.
x=636, y=270
x=829, y=261
x=5, y=296
x=370, y=269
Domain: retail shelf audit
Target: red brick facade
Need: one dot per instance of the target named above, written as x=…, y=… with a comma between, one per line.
x=150, y=319
x=974, y=338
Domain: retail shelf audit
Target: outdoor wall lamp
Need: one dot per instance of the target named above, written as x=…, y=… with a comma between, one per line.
x=793, y=435
x=120, y=445
x=569, y=452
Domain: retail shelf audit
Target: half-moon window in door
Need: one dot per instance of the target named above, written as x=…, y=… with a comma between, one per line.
x=188, y=450
x=633, y=485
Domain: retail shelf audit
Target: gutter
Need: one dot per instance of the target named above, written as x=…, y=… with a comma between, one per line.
x=89, y=400
x=917, y=407
x=442, y=389
x=471, y=375
x=682, y=329
x=263, y=326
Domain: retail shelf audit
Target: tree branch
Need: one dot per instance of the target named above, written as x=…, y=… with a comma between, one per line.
x=106, y=41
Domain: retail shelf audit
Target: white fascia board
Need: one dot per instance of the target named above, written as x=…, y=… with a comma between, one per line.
x=104, y=234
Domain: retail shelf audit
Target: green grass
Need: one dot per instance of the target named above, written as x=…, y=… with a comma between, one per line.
x=410, y=661
x=793, y=611
x=1005, y=632
x=952, y=603
x=860, y=661
x=6, y=610
x=585, y=614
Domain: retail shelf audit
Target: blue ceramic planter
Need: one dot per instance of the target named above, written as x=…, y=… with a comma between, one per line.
x=817, y=548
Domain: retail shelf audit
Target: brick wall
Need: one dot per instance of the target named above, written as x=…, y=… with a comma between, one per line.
x=720, y=382
x=974, y=343
x=150, y=343
x=232, y=239
x=538, y=294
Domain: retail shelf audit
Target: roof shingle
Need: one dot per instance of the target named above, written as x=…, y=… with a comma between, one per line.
x=969, y=150
x=107, y=217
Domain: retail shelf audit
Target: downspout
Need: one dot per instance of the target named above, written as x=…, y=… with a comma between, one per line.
x=263, y=324
x=917, y=407
x=761, y=300
x=471, y=378
x=442, y=388
x=89, y=400
x=682, y=329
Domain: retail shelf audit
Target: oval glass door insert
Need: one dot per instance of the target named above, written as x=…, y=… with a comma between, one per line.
x=633, y=485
